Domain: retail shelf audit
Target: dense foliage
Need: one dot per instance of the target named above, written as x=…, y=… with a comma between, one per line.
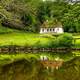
x=64, y=40
x=30, y=14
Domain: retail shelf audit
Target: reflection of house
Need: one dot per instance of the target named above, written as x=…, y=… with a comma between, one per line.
x=43, y=58
x=51, y=27
x=54, y=64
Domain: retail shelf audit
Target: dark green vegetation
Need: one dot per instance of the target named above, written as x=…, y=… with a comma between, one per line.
x=64, y=40
x=28, y=15
x=28, y=68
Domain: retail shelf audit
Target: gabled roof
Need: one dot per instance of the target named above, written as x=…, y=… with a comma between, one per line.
x=51, y=24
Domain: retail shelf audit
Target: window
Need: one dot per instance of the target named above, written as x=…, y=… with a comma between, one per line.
x=47, y=29
x=50, y=29
x=42, y=30
x=57, y=29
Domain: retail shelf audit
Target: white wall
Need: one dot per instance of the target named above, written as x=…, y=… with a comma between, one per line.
x=41, y=30
x=59, y=30
x=56, y=30
x=45, y=30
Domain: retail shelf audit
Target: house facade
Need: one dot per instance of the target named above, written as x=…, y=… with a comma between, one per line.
x=52, y=30
x=57, y=28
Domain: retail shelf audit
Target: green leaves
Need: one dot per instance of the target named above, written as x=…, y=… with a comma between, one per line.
x=32, y=13
x=64, y=40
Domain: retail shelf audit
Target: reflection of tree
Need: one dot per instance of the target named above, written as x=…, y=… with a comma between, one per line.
x=33, y=70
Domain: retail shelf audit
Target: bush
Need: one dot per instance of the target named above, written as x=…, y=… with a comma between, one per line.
x=64, y=40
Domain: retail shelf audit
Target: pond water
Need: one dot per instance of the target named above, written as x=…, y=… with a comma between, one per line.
x=33, y=69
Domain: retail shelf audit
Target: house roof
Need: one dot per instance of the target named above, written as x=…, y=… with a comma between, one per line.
x=51, y=24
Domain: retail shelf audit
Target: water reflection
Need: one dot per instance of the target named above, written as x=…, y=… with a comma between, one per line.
x=51, y=64
x=44, y=67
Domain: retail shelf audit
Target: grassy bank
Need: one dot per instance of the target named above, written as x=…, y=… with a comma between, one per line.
x=14, y=37
x=77, y=40
x=22, y=39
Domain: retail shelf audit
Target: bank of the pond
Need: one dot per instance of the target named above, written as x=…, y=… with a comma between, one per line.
x=24, y=49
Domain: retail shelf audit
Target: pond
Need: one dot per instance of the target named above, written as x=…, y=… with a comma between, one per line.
x=30, y=67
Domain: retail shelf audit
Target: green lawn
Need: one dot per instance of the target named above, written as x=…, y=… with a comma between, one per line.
x=77, y=41
x=21, y=38
x=5, y=30
x=15, y=37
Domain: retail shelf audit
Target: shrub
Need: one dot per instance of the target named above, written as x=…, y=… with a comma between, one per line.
x=64, y=40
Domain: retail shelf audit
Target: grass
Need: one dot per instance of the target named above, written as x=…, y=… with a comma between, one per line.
x=77, y=53
x=21, y=38
x=15, y=37
x=5, y=30
x=77, y=41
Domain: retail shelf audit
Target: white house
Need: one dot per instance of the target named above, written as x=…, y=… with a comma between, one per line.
x=55, y=28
